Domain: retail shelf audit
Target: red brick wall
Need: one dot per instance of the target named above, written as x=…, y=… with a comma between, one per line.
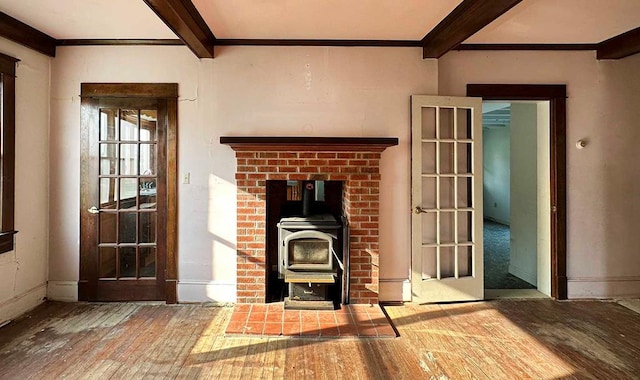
x=360, y=174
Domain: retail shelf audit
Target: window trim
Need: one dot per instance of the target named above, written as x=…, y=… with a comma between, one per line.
x=7, y=145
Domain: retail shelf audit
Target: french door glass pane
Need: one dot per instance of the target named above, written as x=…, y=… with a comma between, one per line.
x=147, y=262
x=148, y=125
x=429, y=263
x=127, y=261
x=463, y=125
x=446, y=158
x=148, y=159
x=108, y=227
x=107, y=262
x=447, y=262
x=108, y=158
x=108, y=124
x=129, y=125
x=446, y=124
x=128, y=192
x=127, y=227
x=108, y=193
x=429, y=123
x=147, y=227
x=129, y=159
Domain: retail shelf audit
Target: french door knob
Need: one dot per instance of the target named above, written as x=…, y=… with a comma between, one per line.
x=419, y=210
x=93, y=210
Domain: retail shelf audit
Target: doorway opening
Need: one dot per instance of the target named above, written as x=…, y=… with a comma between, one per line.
x=516, y=208
x=554, y=98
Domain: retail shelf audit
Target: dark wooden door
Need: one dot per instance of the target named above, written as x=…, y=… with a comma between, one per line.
x=124, y=199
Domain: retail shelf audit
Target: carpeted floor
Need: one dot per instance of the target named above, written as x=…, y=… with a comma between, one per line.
x=496, y=259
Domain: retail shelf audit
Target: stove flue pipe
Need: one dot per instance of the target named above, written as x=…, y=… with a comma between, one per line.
x=308, y=197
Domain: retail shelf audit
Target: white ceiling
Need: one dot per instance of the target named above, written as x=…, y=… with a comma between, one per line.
x=324, y=19
x=562, y=21
x=532, y=21
x=87, y=19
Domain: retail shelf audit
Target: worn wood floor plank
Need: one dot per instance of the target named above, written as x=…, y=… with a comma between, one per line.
x=540, y=339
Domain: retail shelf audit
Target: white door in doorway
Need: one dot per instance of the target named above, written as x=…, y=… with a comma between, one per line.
x=446, y=194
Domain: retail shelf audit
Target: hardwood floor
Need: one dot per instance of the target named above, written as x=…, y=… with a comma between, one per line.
x=505, y=339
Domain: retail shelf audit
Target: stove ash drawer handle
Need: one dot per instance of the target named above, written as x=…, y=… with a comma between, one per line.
x=419, y=210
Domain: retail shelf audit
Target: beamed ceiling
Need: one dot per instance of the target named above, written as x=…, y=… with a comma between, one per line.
x=610, y=27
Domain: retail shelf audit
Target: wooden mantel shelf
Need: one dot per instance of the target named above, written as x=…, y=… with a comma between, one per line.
x=324, y=144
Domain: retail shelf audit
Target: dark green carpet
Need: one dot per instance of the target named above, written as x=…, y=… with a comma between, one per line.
x=496, y=259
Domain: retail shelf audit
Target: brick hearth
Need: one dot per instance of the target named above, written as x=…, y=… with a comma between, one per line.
x=360, y=173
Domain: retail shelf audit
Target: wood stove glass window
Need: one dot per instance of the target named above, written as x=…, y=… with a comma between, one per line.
x=308, y=252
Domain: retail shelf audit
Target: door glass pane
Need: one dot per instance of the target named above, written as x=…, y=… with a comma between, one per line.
x=429, y=228
x=129, y=159
x=446, y=158
x=429, y=158
x=147, y=193
x=428, y=193
x=129, y=125
x=128, y=192
x=465, y=226
x=127, y=227
x=446, y=123
x=465, y=192
x=463, y=125
x=464, y=158
x=108, y=122
x=148, y=125
x=147, y=262
x=148, y=159
x=108, y=193
x=447, y=192
x=464, y=261
x=127, y=261
x=108, y=158
x=108, y=227
x=428, y=123
x=429, y=263
x=107, y=262
x=447, y=228
x=447, y=262
x=147, y=227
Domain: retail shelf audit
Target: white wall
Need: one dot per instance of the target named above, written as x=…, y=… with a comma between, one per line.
x=524, y=192
x=23, y=272
x=495, y=174
x=603, y=191
x=243, y=91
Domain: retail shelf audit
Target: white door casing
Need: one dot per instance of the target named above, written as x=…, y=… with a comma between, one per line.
x=446, y=195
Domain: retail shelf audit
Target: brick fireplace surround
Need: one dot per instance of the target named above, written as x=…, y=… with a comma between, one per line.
x=354, y=161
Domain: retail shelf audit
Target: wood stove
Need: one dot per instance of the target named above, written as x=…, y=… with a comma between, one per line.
x=309, y=256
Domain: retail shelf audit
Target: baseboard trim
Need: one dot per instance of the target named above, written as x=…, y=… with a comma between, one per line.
x=394, y=290
x=603, y=287
x=65, y=291
x=20, y=304
x=206, y=291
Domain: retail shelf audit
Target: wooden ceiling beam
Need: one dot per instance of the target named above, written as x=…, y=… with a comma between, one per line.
x=182, y=17
x=620, y=46
x=18, y=31
x=463, y=22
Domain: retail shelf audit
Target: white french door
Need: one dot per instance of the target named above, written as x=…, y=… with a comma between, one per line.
x=446, y=199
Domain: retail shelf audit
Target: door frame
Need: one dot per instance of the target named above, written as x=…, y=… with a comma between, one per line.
x=168, y=91
x=556, y=94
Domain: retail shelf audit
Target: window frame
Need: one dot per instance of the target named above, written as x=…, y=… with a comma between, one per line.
x=7, y=151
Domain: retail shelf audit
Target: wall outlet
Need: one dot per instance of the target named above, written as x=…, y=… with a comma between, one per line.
x=186, y=178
